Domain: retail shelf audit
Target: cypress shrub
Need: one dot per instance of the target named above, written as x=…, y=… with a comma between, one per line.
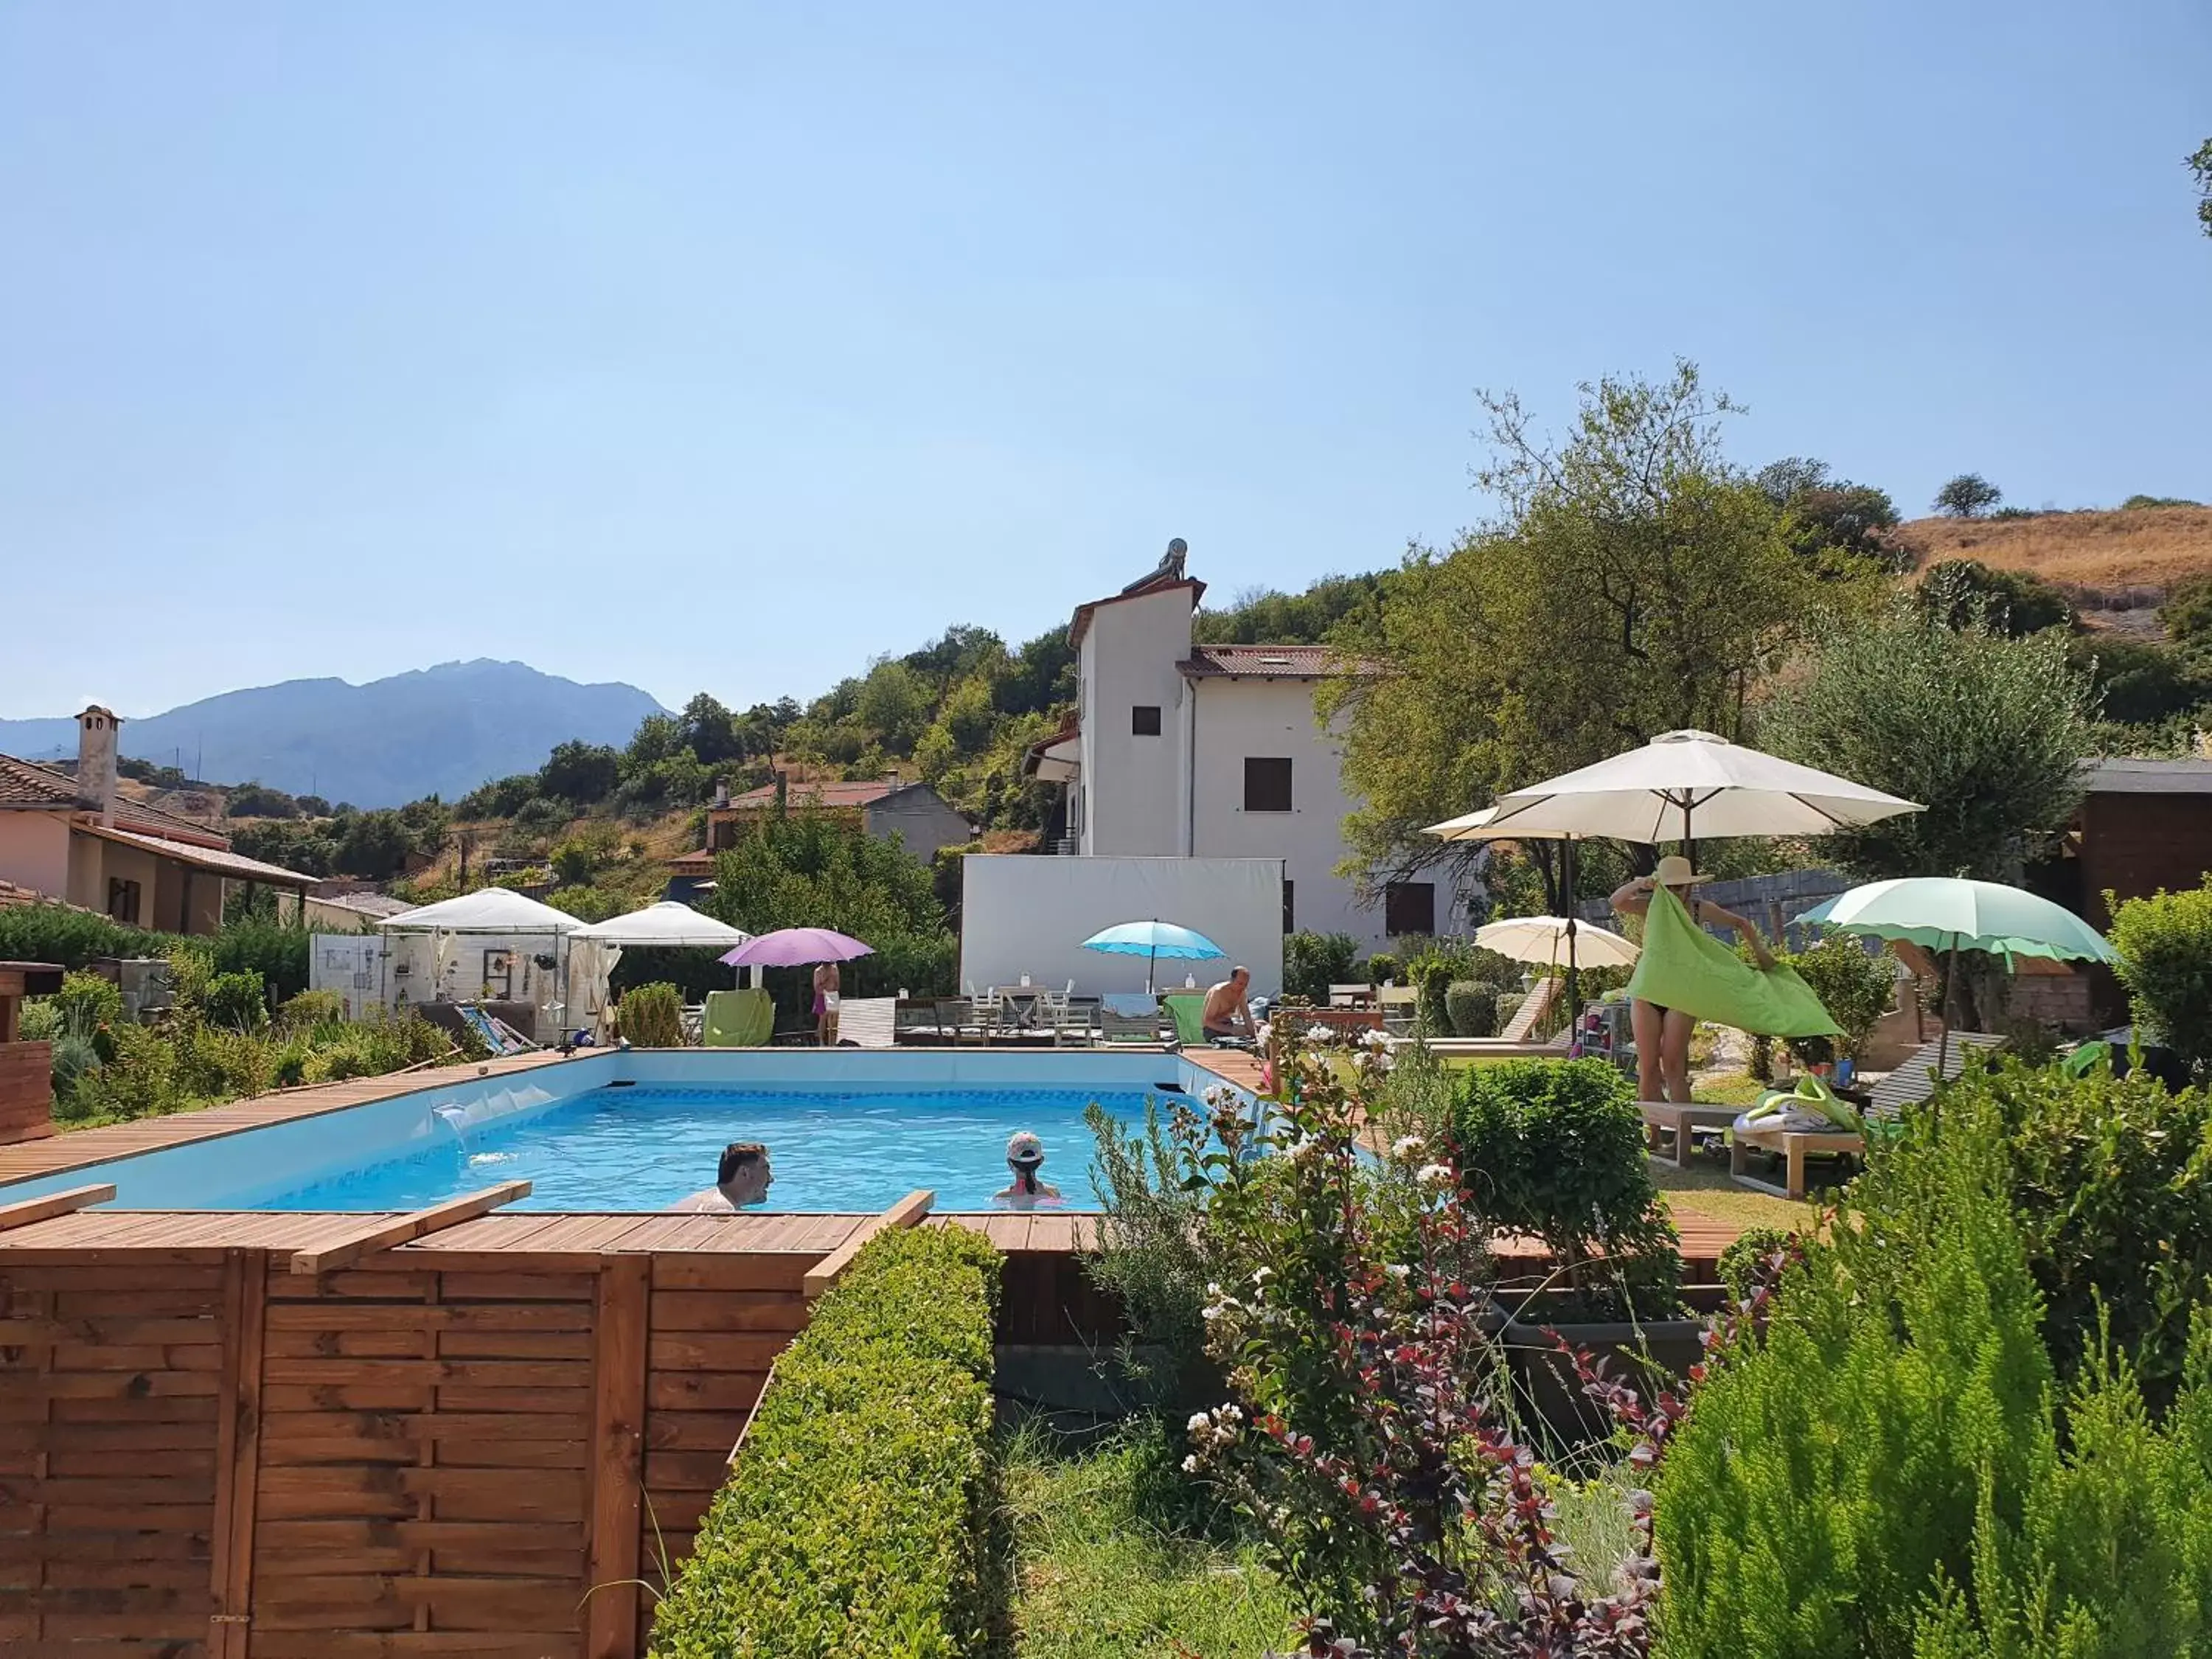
x=1891, y=1467
x=860, y=1520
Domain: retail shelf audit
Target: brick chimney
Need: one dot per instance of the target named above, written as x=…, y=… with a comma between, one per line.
x=96, y=730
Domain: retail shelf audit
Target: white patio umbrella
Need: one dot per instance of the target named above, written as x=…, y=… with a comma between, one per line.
x=1683, y=786
x=1553, y=939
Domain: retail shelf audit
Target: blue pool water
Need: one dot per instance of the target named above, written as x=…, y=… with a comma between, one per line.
x=646, y=1146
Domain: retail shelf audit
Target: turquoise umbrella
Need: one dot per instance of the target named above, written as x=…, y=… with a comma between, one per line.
x=1152, y=940
x=1950, y=913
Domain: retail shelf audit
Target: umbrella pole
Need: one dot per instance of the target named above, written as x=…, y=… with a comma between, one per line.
x=1950, y=996
x=1574, y=978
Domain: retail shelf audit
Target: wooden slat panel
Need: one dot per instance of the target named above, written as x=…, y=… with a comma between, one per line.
x=618, y=1434
x=246, y=1292
x=407, y=1227
x=22, y=1214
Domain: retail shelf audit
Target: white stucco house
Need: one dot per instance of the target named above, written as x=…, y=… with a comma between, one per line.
x=1191, y=750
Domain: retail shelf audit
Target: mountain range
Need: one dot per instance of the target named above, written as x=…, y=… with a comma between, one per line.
x=433, y=731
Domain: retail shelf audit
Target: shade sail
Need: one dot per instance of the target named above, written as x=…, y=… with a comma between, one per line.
x=491, y=910
x=795, y=947
x=1686, y=784
x=1544, y=938
x=1944, y=912
x=665, y=925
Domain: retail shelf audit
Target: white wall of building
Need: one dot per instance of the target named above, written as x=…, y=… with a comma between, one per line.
x=1132, y=784
x=1022, y=914
x=1275, y=718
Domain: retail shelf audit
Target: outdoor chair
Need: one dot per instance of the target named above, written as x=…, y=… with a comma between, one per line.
x=1911, y=1082
x=1401, y=1009
x=738, y=1019
x=956, y=1017
x=867, y=1022
x=1129, y=1020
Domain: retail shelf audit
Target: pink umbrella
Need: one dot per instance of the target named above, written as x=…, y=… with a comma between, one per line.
x=794, y=947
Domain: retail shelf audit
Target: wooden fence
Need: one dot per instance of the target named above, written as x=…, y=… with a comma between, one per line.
x=204, y=1452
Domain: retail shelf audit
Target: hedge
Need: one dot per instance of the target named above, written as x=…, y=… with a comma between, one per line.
x=858, y=1522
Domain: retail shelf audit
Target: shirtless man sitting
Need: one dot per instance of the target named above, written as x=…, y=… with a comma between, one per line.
x=1226, y=1017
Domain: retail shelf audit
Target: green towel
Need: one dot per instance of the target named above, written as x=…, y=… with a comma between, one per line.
x=1186, y=1009
x=1682, y=966
x=1811, y=1094
x=738, y=1019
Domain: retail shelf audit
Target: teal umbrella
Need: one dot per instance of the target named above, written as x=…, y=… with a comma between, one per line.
x=1952, y=913
x=1152, y=940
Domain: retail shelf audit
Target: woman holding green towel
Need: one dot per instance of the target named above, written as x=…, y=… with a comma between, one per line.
x=1662, y=1035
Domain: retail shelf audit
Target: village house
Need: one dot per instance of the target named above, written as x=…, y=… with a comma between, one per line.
x=77, y=840
x=1183, y=750
x=884, y=807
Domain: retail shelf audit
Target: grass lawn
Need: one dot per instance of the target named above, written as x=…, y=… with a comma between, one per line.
x=1100, y=1576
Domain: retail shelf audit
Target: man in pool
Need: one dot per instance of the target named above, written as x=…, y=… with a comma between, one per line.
x=1025, y=1157
x=741, y=1181
x=1226, y=1017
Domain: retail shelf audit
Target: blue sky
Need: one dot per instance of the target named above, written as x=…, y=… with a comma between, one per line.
x=727, y=345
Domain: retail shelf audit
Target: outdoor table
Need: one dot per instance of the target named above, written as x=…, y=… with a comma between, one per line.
x=1019, y=1007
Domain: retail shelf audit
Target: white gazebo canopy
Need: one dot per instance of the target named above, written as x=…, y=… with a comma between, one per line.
x=492, y=911
x=666, y=924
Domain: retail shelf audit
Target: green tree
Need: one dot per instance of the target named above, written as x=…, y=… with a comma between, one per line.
x=1634, y=584
x=657, y=737
x=1960, y=592
x=967, y=715
x=1832, y=521
x=710, y=730
x=580, y=773
x=375, y=844
x=2200, y=165
x=257, y=800
x=893, y=704
x=1262, y=616
x=1988, y=732
x=1968, y=496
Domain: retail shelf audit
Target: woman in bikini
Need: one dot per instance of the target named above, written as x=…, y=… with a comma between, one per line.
x=1663, y=1034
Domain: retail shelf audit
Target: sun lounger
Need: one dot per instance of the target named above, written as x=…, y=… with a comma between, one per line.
x=867, y=1022
x=1124, y=1019
x=1531, y=1012
x=1912, y=1082
x=738, y=1019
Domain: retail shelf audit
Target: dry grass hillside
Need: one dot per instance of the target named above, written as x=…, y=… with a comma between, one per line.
x=2140, y=547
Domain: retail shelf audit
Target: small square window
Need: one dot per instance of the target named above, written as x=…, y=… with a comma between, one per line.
x=1144, y=720
x=1267, y=785
x=1409, y=907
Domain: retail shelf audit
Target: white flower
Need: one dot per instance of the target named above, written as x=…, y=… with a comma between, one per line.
x=1212, y=1312
x=1229, y=1414
x=1397, y=1270
x=1407, y=1148
x=1319, y=1034
x=1374, y=1039
x=1200, y=1420
x=1261, y=1275
x=1213, y=1289
x=1190, y=1465
x=1434, y=1174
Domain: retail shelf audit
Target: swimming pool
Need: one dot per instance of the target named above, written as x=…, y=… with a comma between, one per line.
x=643, y=1130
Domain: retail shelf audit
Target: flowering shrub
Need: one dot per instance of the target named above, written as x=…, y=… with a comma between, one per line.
x=1370, y=1440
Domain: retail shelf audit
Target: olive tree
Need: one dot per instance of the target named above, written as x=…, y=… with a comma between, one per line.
x=1988, y=732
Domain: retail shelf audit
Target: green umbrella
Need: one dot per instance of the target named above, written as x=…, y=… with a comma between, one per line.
x=1949, y=913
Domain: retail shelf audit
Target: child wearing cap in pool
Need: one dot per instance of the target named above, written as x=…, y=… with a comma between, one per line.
x=1025, y=1157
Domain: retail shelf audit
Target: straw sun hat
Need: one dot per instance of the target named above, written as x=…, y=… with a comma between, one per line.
x=1674, y=871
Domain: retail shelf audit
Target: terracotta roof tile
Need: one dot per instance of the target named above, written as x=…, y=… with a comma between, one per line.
x=820, y=793
x=1263, y=662
x=22, y=784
